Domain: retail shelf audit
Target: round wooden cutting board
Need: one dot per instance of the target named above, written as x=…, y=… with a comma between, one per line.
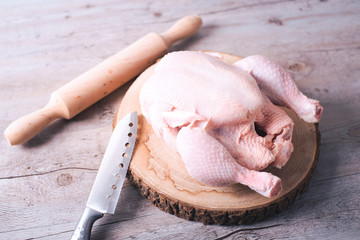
x=160, y=175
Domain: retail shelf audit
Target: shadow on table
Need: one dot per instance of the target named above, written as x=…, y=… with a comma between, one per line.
x=102, y=110
x=323, y=198
x=204, y=32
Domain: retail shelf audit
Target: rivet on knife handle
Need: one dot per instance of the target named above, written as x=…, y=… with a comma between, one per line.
x=93, y=85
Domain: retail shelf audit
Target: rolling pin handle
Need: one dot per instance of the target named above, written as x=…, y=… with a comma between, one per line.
x=26, y=127
x=185, y=27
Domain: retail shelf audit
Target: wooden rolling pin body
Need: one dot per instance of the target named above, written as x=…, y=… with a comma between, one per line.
x=101, y=80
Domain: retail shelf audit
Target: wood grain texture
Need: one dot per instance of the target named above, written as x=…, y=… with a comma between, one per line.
x=161, y=176
x=45, y=44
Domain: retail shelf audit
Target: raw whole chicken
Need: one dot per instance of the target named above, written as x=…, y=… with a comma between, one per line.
x=210, y=112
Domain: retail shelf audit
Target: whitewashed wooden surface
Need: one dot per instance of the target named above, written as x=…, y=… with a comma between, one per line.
x=44, y=183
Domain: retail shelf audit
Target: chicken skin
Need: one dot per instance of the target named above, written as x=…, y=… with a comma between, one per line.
x=210, y=112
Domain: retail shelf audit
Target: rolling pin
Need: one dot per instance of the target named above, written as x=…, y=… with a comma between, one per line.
x=101, y=80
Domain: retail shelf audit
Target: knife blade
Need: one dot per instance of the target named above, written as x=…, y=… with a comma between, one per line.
x=105, y=192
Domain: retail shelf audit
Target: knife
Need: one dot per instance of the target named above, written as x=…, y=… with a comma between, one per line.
x=105, y=192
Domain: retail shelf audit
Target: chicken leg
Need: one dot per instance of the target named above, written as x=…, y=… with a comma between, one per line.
x=213, y=165
x=278, y=85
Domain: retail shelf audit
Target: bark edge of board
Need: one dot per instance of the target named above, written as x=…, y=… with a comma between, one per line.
x=207, y=217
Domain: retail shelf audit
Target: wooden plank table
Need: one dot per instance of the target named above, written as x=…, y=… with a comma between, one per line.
x=44, y=184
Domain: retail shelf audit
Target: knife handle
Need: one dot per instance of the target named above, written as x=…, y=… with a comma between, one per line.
x=83, y=229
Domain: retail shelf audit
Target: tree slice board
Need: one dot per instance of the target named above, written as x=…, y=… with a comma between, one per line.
x=160, y=175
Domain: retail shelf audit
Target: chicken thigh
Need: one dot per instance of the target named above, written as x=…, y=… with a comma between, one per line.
x=210, y=111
